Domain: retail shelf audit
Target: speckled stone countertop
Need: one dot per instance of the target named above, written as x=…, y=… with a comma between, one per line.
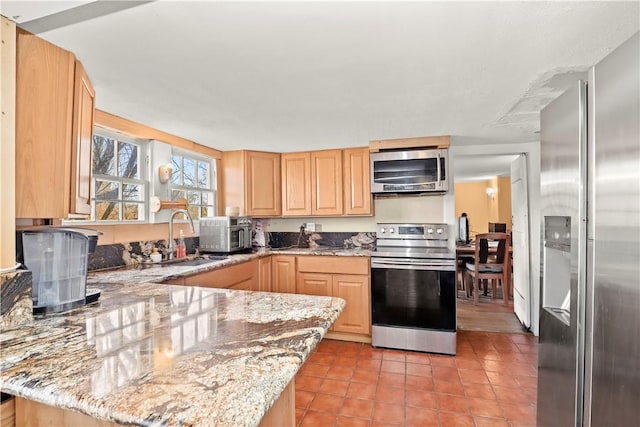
x=150, y=273
x=155, y=354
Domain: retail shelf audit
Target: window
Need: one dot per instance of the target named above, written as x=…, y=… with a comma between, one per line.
x=194, y=179
x=119, y=184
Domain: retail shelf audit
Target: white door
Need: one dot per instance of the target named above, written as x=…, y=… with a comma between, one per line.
x=520, y=240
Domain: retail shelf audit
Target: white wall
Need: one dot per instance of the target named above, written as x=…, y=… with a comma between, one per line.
x=429, y=208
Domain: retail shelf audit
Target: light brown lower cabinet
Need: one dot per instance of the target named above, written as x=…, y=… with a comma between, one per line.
x=317, y=275
x=243, y=276
x=264, y=274
x=283, y=273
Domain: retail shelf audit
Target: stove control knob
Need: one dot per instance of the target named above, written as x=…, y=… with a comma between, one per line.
x=382, y=230
x=439, y=230
x=391, y=230
x=429, y=230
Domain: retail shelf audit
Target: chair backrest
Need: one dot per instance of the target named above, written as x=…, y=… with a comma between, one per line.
x=482, y=247
x=497, y=227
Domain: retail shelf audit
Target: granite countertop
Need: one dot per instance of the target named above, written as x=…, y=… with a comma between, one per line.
x=154, y=354
x=150, y=273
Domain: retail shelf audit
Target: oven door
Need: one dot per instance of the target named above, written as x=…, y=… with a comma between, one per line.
x=413, y=293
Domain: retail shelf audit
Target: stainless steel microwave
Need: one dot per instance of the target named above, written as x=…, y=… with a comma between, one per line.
x=410, y=171
x=225, y=233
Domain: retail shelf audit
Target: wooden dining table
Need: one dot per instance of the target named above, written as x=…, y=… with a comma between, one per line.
x=469, y=250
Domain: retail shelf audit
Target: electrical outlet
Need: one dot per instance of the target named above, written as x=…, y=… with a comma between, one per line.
x=310, y=226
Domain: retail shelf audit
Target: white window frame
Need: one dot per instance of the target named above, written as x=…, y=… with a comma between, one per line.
x=212, y=189
x=143, y=181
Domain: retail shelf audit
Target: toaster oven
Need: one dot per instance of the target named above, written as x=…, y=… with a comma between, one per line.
x=225, y=234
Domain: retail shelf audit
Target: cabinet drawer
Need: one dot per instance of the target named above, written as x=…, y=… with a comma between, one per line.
x=225, y=277
x=333, y=264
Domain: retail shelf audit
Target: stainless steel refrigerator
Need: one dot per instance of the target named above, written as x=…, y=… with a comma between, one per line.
x=589, y=351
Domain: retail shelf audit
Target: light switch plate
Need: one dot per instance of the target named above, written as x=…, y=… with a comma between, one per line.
x=310, y=226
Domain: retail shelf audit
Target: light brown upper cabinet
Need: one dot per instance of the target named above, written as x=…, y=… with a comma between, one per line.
x=357, y=182
x=326, y=183
x=326, y=179
x=252, y=182
x=296, y=184
x=54, y=130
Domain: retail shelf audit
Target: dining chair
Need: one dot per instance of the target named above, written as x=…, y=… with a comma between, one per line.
x=489, y=267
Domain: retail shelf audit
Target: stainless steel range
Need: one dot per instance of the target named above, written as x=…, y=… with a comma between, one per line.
x=413, y=289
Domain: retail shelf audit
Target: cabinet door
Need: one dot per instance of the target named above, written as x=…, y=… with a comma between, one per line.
x=356, y=317
x=264, y=274
x=326, y=178
x=283, y=273
x=44, y=109
x=81, y=144
x=296, y=184
x=262, y=184
x=314, y=284
x=357, y=181
x=226, y=277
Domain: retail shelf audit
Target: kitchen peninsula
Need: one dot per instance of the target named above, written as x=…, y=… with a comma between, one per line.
x=152, y=354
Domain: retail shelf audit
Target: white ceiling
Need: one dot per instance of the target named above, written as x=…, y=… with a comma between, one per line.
x=481, y=167
x=295, y=76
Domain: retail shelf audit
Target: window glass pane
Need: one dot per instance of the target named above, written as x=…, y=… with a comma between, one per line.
x=193, y=197
x=203, y=175
x=206, y=211
x=107, y=190
x=127, y=160
x=189, y=172
x=107, y=211
x=194, y=212
x=178, y=194
x=207, y=198
x=131, y=192
x=176, y=177
x=103, y=155
x=131, y=211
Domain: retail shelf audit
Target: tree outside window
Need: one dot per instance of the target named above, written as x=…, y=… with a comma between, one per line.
x=193, y=179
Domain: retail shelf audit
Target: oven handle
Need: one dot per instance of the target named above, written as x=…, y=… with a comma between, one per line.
x=404, y=264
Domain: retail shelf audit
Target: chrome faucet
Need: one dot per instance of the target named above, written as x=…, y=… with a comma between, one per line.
x=171, y=248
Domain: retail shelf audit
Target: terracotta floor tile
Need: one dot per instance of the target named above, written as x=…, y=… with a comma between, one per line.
x=452, y=403
x=396, y=355
x=388, y=394
x=388, y=413
x=361, y=408
x=489, y=355
x=340, y=373
x=326, y=403
x=501, y=379
x=526, y=381
x=393, y=366
x=304, y=382
x=491, y=422
x=299, y=414
x=352, y=422
x=336, y=387
x=492, y=365
x=419, y=358
x=368, y=377
x=370, y=353
x=419, y=370
x=482, y=391
x=369, y=364
x=345, y=361
x=321, y=358
x=519, y=413
x=511, y=394
x=452, y=419
x=473, y=376
x=361, y=391
x=315, y=370
x=420, y=417
x=316, y=419
x=381, y=424
x=485, y=408
x=329, y=346
x=391, y=379
x=468, y=363
x=303, y=398
x=447, y=361
x=422, y=399
x=445, y=374
x=413, y=382
x=448, y=387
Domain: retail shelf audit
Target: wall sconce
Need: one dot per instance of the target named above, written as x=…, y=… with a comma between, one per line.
x=491, y=192
x=164, y=173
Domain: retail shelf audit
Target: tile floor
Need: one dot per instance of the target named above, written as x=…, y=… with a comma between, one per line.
x=490, y=382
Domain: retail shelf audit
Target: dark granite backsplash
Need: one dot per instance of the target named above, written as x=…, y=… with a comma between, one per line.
x=119, y=254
